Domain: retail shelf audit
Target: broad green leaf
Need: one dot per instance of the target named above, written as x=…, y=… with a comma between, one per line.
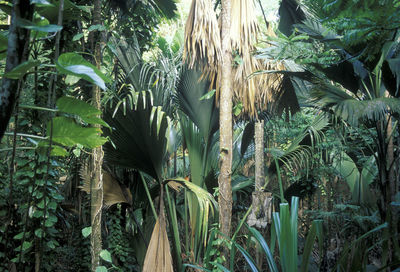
x=53, y=218
x=40, y=22
x=76, y=65
x=87, y=112
x=20, y=235
x=41, y=204
x=71, y=11
x=101, y=269
x=41, y=2
x=37, y=213
x=106, y=255
x=77, y=152
x=71, y=80
x=20, y=70
x=86, y=231
x=56, y=150
x=39, y=233
x=77, y=37
x=76, y=106
x=26, y=245
x=48, y=223
x=23, y=23
x=51, y=244
x=66, y=132
x=96, y=27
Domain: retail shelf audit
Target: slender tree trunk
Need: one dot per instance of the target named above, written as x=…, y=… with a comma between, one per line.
x=259, y=156
x=17, y=52
x=225, y=124
x=96, y=193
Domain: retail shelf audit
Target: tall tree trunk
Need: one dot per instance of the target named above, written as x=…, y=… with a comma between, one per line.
x=225, y=124
x=96, y=192
x=17, y=52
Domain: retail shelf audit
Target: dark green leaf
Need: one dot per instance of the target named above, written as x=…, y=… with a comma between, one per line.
x=96, y=27
x=20, y=70
x=43, y=28
x=20, y=235
x=139, y=135
x=39, y=233
x=77, y=37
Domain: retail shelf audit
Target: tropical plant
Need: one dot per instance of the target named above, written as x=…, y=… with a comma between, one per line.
x=350, y=86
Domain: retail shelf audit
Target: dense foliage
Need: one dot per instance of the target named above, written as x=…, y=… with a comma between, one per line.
x=331, y=140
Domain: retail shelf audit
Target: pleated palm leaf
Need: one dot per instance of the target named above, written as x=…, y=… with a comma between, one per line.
x=129, y=56
x=138, y=138
x=199, y=122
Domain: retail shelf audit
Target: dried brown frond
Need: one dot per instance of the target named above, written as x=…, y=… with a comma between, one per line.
x=253, y=91
x=113, y=191
x=202, y=37
x=158, y=256
x=203, y=47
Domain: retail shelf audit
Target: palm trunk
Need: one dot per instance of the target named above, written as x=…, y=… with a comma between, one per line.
x=96, y=192
x=225, y=113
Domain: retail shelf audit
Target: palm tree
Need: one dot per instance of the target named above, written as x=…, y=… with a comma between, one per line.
x=359, y=90
x=211, y=49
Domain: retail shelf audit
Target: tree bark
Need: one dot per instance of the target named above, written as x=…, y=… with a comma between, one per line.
x=225, y=124
x=259, y=156
x=17, y=52
x=96, y=192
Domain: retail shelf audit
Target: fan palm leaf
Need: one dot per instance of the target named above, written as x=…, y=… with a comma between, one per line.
x=138, y=139
x=351, y=108
x=202, y=112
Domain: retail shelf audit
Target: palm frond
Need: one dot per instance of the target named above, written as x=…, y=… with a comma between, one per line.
x=129, y=57
x=202, y=37
x=190, y=98
x=206, y=202
x=138, y=139
x=350, y=108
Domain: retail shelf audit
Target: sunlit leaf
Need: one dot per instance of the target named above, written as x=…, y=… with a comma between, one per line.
x=76, y=65
x=66, y=132
x=106, y=255
x=86, y=231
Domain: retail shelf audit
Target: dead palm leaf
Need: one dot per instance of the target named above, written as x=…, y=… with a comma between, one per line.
x=203, y=47
x=202, y=38
x=254, y=92
x=114, y=192
x=158, y=256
